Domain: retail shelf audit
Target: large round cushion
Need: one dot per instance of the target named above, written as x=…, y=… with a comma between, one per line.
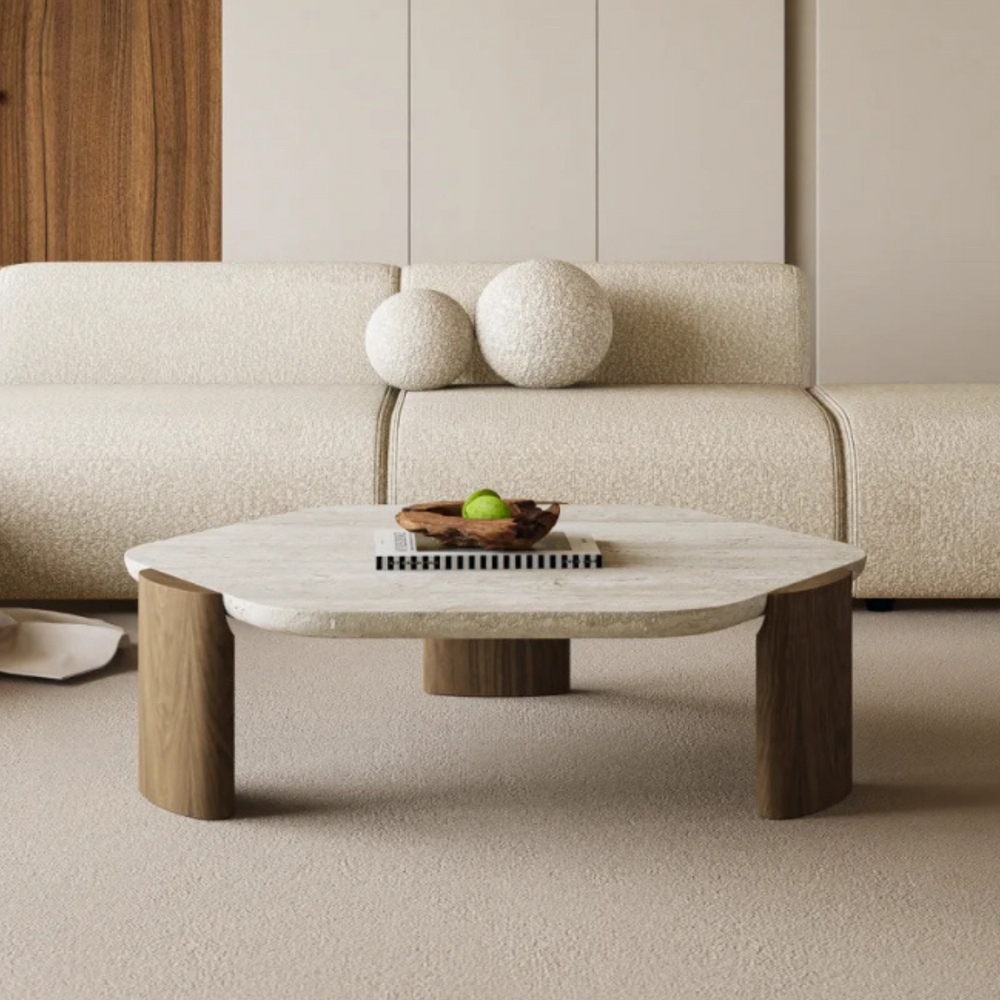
x=419, y=339
x=543, y=324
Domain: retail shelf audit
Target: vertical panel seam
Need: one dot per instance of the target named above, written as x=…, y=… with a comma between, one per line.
x=788, y=72
x=156, y=131
x=409, y=131
x=41, y=126
x=800, y=133
x=597, y=130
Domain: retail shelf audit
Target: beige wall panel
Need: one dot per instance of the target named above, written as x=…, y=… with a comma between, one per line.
x=908, y=134
x=503, y=130
x=691, y=130
x=314, y=134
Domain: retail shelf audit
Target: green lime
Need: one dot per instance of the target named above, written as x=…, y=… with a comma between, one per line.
x=485, y=508
x=476, y=496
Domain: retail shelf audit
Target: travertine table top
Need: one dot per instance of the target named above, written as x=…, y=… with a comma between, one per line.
x=667, y=572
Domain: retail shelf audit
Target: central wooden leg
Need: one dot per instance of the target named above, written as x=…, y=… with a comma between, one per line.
x=804, y=701
x=185, y=698
x=496, y=668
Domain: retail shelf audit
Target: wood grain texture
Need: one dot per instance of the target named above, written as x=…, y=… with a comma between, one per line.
x=110, y=137
x=804, y=714
x=496, y=668
x=185, y=43
x=186, y=678
x=22, y=219
x=443, y=520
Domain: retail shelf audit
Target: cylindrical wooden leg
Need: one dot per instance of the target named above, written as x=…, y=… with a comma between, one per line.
x=185, y=698
x=496, y=668
x=804, y=701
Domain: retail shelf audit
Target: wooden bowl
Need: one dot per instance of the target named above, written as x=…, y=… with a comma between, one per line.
x=443, y=520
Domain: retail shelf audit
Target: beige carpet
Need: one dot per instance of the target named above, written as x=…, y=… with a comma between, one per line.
x=600, y=845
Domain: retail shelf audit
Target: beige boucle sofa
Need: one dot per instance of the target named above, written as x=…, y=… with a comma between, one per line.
x=138, y=401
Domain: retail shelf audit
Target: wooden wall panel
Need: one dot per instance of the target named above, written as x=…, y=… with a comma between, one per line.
x=503, y=129
x=691, y=130
x=110, y=130
x=22, y=225
x=185, y=45
x=908, y=191
x=315, y=132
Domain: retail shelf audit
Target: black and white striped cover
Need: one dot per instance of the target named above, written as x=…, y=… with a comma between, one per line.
x=399, y=550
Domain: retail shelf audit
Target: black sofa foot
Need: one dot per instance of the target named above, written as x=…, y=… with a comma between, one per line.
x=880, y=603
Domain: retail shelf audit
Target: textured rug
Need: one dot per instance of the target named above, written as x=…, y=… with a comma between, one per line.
x=598, y=845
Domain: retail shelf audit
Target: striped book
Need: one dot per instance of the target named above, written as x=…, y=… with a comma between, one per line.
x=396, y=549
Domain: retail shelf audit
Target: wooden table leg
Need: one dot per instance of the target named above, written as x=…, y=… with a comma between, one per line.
x=804, y=701
x=496, y=668
x=185, y=698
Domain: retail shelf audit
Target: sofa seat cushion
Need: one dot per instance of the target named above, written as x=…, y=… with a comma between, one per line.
x=753, y=453
x=89, y=471
x=922, y=465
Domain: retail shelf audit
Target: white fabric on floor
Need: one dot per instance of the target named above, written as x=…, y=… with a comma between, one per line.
x=55, y=645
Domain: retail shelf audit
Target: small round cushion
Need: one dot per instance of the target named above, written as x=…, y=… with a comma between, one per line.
x=543, y=324
x=419, y=339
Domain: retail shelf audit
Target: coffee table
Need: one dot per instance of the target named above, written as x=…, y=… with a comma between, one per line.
x=667, y=572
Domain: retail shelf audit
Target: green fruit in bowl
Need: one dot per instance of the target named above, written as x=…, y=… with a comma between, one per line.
x=485, y=507
x=476, y=496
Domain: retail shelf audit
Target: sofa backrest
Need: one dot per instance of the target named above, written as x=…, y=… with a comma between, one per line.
x=675, y=323
x=189, y=322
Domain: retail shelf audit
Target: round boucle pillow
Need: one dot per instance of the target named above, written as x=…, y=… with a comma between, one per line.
x=543, y=324
x=419, y=339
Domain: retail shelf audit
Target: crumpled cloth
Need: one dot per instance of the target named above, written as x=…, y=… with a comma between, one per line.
x=54, y=645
